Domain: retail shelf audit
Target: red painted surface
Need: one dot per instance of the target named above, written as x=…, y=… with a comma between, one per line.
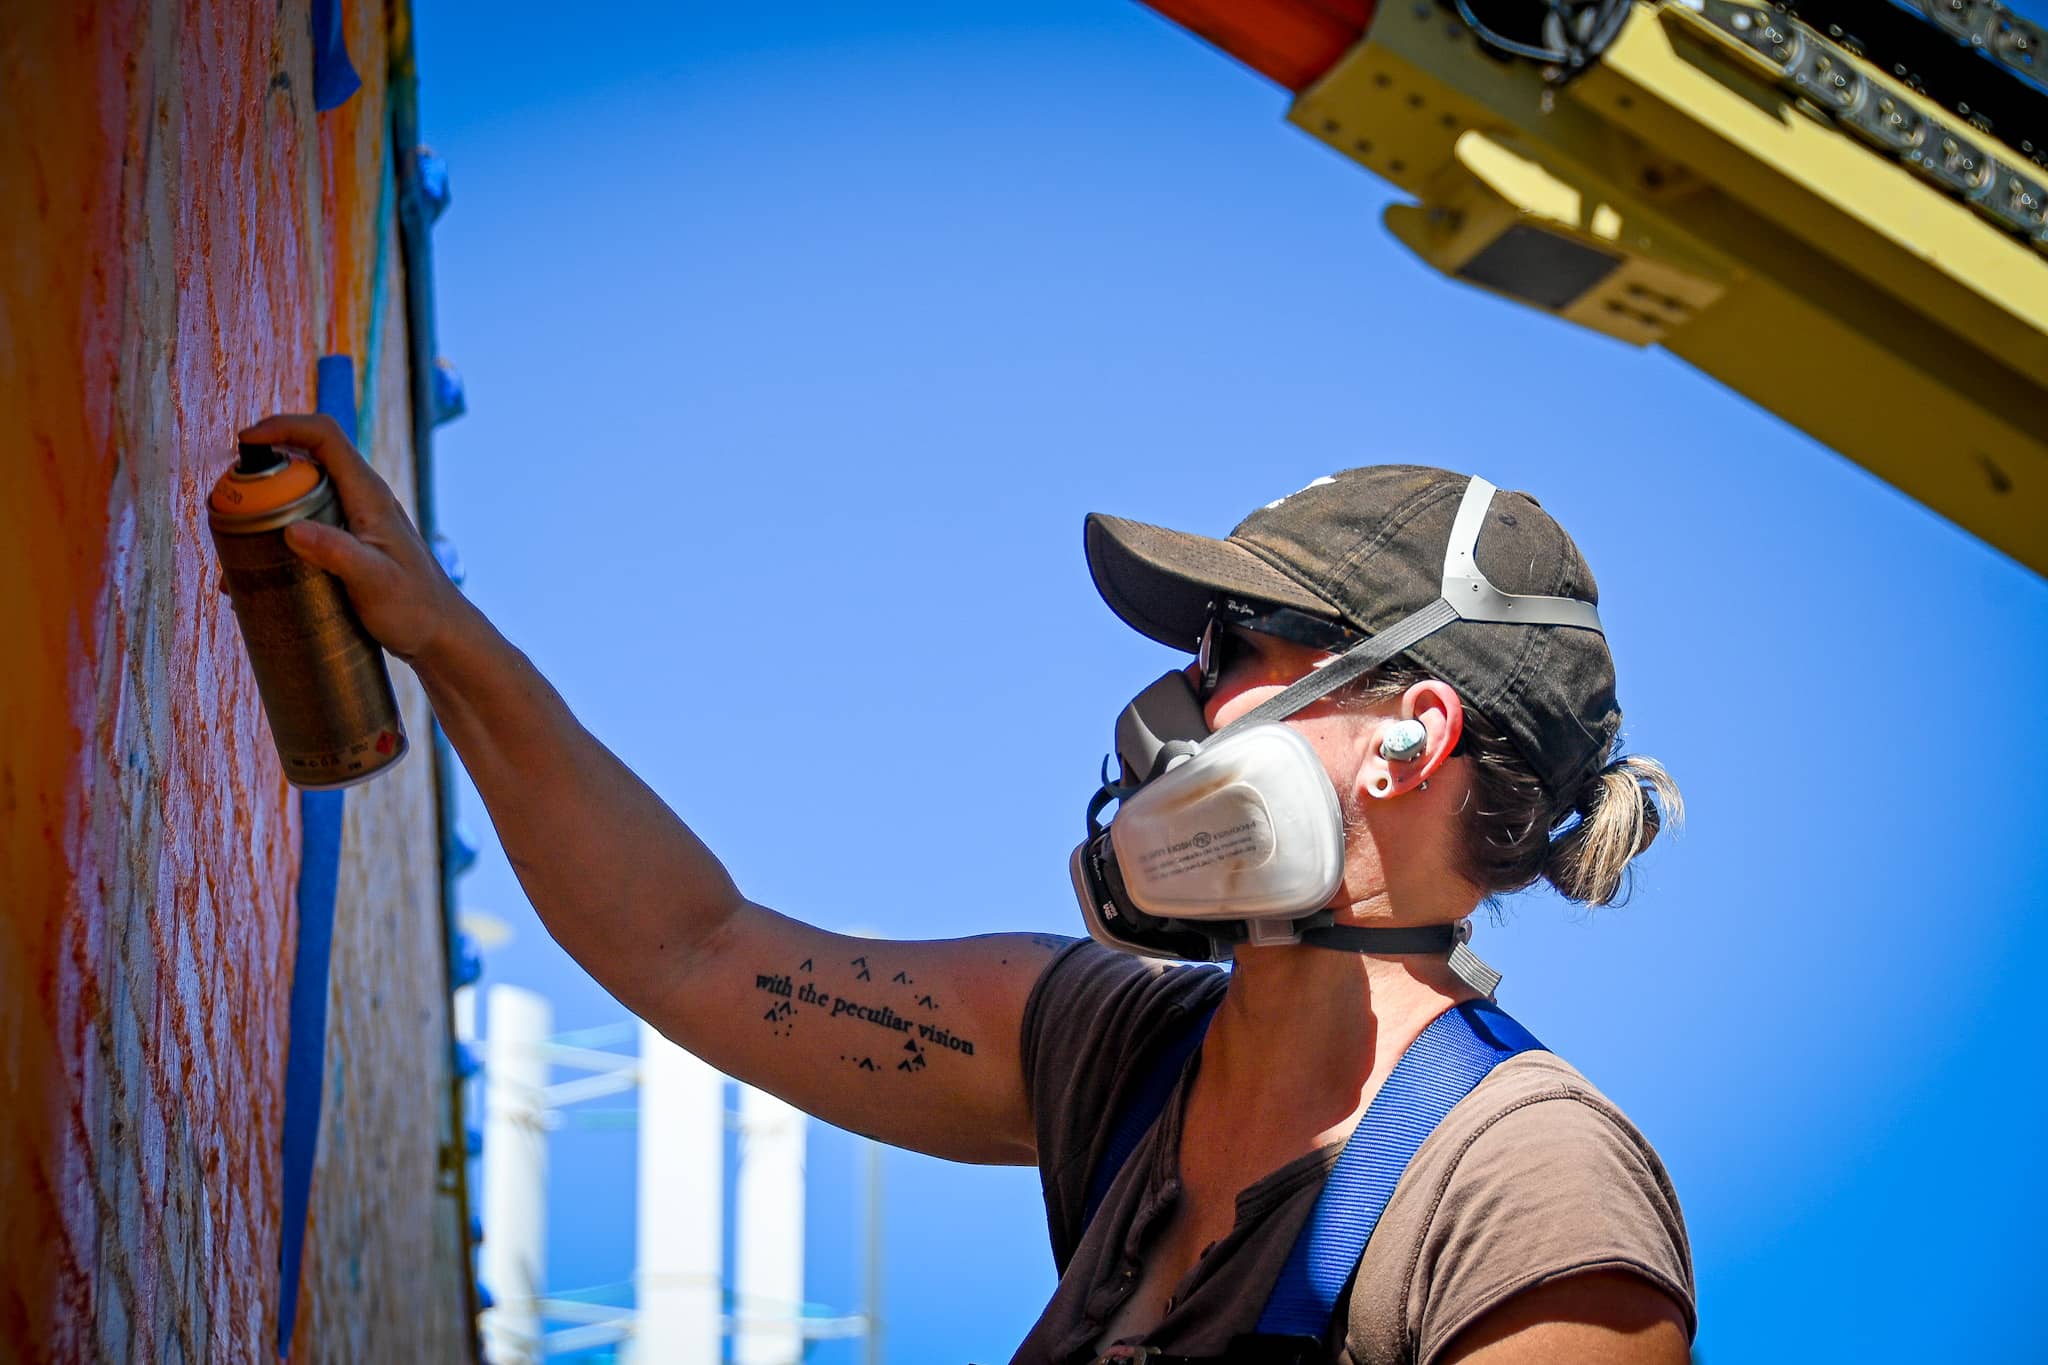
x=1289, y=41
x=180, y=238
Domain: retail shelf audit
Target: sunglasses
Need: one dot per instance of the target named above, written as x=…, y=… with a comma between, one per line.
x=1220, y=646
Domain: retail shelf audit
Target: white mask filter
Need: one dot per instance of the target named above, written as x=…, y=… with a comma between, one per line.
x=1248, y=828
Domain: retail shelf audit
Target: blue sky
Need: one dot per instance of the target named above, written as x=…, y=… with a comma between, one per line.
x=866, y=306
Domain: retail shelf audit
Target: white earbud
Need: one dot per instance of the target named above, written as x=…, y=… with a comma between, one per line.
x=1403, y=741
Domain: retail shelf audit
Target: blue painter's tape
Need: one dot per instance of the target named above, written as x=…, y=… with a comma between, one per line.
x=449, y=558
x=468, y=965
x=335, y=391
x=433, y=183
x=334, y=75
x=319, y=877
x=319, y=871
x=462, y=850
x=449, y=400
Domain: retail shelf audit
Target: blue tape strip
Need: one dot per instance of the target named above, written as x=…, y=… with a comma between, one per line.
x=319, y=876
x=334, y=387
x=334, y=75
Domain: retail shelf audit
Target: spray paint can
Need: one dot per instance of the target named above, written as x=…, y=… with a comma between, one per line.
x=322, y=677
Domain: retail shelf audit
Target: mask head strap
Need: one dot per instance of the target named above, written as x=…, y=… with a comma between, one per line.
x=1466, y=595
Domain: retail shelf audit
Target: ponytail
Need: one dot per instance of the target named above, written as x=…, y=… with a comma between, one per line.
x=1620, y=810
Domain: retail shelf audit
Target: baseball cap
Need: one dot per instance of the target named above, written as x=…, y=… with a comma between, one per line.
x=1366, y=547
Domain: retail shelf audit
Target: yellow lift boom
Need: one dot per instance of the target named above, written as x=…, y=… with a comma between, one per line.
x=1799, y=215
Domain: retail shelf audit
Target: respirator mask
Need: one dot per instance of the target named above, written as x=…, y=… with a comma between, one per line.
x=1237, y=836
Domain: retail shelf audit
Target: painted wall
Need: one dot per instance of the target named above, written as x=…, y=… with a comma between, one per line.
x=181, y=236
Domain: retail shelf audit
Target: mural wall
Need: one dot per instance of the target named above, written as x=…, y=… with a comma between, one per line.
x=182, y=237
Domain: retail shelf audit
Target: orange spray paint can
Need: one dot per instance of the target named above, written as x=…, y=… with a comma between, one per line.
x=324, y=683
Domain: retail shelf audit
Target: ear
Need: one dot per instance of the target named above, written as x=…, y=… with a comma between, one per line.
x=1436, y=705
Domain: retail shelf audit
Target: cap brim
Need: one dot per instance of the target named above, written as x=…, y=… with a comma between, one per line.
x=1161, y=582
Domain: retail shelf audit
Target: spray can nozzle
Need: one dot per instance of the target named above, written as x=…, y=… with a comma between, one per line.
x=257, y=459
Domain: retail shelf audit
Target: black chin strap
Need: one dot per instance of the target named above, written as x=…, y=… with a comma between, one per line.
x=1429, y=938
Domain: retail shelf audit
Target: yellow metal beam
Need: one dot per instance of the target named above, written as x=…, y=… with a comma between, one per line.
x=1683, y=193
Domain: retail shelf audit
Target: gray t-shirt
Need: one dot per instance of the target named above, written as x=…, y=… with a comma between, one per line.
x=1533, y=1176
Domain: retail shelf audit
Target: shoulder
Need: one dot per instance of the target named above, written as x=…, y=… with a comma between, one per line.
x=1534, y=1177
x=1537, y=1121
x=1094, y=1007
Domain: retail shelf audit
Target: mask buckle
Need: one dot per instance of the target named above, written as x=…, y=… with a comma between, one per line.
x=1268, y=933
x=1264, y=933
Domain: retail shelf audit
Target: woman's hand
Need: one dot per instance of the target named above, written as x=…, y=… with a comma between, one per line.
x=393, y=579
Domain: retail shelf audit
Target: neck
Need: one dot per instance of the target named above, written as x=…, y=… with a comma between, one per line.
x=1310, y=1028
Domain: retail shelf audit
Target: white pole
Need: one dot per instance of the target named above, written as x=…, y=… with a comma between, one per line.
x=873, y=1311
x=769, y=1264
x=679, y=1278
x=515, y=1173
x=465, y=1014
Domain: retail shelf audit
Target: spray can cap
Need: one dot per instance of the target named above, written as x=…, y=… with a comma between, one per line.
x=261, y=481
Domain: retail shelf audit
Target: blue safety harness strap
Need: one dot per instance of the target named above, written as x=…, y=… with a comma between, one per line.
x=1442, y=1066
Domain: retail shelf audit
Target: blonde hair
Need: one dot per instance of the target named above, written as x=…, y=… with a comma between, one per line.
x=1582, y=842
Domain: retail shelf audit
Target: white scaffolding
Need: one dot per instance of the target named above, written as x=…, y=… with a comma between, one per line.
x=682, y=1312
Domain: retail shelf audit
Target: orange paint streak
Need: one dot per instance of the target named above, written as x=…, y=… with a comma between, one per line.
x=354, y=145
x=57, y=164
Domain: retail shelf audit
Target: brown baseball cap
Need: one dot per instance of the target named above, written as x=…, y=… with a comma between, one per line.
x=1367, y=548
